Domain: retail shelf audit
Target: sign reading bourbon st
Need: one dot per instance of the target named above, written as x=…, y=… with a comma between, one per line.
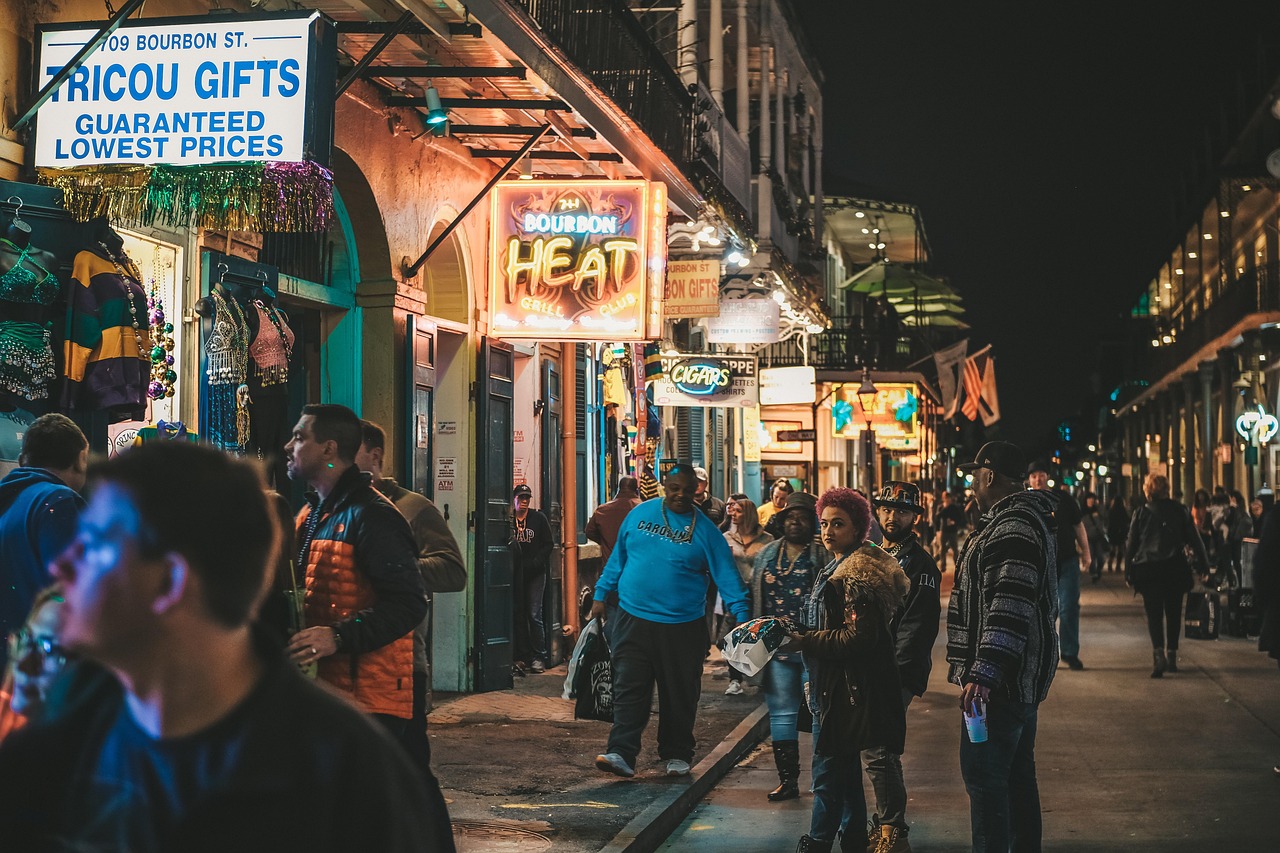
x=577, y=260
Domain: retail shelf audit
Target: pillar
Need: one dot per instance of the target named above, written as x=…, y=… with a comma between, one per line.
x=1175, y=433
x=715, y=53
x=1226, y=413
x=780, y=121
x=1207, y=431
x=817, y=169
x=687, y=58
x=569, y=486
x=744, y=82
x=1190, y=470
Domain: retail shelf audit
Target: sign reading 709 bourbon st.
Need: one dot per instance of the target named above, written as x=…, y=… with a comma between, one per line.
x=709, y=381
x=577, y=260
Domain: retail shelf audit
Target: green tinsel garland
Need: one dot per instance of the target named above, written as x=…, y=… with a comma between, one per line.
x=261, y=197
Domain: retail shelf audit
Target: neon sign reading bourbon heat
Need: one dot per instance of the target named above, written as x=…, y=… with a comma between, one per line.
x=573, y=260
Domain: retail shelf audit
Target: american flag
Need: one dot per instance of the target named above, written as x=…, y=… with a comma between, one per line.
x=980, y=387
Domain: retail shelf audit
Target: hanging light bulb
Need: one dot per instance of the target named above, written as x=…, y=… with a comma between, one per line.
x=435, y=110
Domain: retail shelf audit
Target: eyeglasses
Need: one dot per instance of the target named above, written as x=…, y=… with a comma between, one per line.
x=23, y=643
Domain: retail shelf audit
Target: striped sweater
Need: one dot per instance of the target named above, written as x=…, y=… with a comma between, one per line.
x=1000, y=622
x=104, y=366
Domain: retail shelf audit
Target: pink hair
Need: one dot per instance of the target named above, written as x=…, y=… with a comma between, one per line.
x=853, y=504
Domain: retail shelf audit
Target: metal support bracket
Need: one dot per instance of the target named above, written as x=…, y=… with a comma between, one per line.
x=71, y=67
x=501, y=173
x=354, y=74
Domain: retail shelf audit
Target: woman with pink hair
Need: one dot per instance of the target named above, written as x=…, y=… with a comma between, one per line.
x=854, y=691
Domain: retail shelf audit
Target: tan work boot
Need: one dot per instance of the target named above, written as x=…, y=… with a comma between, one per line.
x=893, y=839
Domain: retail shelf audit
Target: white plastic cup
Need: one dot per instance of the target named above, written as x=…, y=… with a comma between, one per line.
x=976, y=725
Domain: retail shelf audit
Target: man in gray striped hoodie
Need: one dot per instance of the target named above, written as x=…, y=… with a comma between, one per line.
x=1002, y=646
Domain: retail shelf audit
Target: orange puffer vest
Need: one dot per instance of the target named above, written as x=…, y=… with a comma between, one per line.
x=381, y=681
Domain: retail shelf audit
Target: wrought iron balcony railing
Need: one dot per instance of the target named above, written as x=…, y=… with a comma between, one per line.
x=851, y=342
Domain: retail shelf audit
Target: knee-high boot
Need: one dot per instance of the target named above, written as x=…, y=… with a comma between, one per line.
x=786, y=757
x=1160, y=663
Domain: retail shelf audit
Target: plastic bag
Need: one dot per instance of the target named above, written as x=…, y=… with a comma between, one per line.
x=593, y=628
x=593, y=681
x=752, y=644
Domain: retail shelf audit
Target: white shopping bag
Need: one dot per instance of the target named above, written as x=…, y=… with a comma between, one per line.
x=753, y=644
x=592, y=628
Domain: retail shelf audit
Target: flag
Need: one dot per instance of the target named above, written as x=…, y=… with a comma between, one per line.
x=950, y=363
x=980, y=387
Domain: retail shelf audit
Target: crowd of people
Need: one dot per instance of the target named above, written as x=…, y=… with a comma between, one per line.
x=165, y=659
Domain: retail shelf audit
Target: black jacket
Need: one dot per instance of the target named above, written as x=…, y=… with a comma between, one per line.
x=306, y=773
x=915, y=625
x=1160, y=531
x=533, y=556
x=855, y=692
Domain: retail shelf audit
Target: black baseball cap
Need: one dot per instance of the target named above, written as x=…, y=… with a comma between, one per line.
x=522, y=489
x=1000, y=456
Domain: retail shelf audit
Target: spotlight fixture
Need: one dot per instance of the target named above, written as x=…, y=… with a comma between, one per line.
x=435, y=111
x=526, y=169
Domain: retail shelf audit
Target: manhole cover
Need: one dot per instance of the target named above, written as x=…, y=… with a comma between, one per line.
x=495, y=838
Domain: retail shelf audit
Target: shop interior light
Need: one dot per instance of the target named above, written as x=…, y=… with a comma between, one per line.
x=879, y=245
x=1178, y=271
x=435, y=111
x=1166, y=339
x=1155, y=342
x=1245, y=188
x=1207, y=235
x=526, y=169
x=1192, y=255
x=859, y=215
x=866, y=230
x=1102, y=470
x=1224, y=213
x=1093, y=448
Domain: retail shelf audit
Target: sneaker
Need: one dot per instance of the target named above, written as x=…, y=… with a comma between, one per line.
x=537, y=666
x=613, y=763
x=734, y=689
x=676, y=767
x=1072, y=661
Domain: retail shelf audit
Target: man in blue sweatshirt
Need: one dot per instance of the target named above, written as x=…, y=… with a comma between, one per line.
x=39, y=507
x=665, y=553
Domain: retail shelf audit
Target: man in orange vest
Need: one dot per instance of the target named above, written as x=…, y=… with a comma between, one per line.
x=364, y=593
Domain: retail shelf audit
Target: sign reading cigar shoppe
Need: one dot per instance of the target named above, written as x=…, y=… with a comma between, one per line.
x=577, y=260
x=710, y=381
x=189, y=90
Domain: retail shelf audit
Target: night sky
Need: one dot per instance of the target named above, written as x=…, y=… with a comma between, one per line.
x=1041, y=143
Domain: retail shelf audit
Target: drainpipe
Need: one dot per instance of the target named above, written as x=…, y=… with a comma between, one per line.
x=688, y=41
x=569, y=477
x=744, y=87
x=715, y=45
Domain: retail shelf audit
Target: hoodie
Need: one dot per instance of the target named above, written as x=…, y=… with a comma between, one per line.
x=1000, y=622
x=855, y=690
x=38, y=515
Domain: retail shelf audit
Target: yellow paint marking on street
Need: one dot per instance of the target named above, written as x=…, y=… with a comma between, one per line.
x=534, y=806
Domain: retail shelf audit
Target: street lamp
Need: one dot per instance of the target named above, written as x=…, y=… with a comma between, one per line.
x=867, y=392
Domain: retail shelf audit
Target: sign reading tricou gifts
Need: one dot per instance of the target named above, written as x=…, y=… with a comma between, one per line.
x=577, y=260
x=187, y=91
x=708, y=381
x=692, y=289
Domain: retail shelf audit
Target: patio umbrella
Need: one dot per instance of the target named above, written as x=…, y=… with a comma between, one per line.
x=930, y=308
x=936, y=320
x=887, y=279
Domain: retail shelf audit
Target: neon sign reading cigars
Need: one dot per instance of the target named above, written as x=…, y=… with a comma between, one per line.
x=576, y=259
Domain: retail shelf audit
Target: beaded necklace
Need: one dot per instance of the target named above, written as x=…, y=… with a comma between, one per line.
x=163, y=375
x=134, y=276
x=683, y=536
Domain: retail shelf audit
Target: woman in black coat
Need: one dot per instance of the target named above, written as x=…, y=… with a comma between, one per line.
x=1157, y=566
x=854, y=690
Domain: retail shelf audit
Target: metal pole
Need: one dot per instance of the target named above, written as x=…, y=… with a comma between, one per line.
x=396, y=29
x=444, y=235
x=71, y=67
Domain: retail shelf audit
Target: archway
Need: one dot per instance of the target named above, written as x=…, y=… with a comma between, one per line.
x=445, y=281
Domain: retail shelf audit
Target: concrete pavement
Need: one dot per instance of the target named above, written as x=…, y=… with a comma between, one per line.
x=1125, y=762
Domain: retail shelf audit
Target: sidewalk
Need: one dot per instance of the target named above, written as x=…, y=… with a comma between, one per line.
x=517, y=770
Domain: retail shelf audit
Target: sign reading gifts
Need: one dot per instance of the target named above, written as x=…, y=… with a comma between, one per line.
x=692, y=289
x=577, y=260
x=708, y=381
x=189, y=90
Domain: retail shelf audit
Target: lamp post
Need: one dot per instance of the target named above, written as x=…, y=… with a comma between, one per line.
x=867, y=392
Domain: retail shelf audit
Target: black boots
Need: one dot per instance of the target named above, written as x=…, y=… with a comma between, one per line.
x=1160, y=663
x=813, y=845
x=786, y=756
x=1173, y=660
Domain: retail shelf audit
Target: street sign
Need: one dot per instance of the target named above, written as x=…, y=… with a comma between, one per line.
x=797, y=435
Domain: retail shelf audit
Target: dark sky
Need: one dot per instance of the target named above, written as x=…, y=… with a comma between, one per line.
x=1041, y=143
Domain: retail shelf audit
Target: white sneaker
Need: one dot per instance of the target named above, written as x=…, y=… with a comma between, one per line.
x=676, y=767
x=734, y=689
x=613, y=763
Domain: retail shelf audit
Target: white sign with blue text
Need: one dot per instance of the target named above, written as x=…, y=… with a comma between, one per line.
x=184, y=93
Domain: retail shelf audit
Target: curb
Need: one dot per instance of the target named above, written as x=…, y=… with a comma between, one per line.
x=650, y=828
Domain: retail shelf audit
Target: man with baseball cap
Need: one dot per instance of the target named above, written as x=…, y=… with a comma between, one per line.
x=531, y=545
x=1069, y=523
x=712, y=507
x=1002, y=648
x=915, y=628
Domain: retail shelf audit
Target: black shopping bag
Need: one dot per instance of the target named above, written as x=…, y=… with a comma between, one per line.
x=1202, y=616
x=593, y=684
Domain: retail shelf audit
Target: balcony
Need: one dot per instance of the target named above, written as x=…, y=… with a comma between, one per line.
x=852, y=341
x=604, y=39
x=1254, y=292
x=719, y=147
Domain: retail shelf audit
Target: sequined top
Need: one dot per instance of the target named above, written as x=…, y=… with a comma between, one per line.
x=272, y=345
x=226, y=348
x=19, y=284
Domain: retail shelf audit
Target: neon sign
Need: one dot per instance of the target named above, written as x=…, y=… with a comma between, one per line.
x=1257, y=425
x=895, y=415
x=574, y=260
x=701, y=377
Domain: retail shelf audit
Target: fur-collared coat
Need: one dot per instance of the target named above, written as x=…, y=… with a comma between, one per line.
x=855, y=692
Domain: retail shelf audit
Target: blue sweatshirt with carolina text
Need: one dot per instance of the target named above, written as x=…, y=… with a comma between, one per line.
x=662, y=578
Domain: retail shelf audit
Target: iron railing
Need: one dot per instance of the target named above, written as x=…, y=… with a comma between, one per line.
x=879, y=342
x=1256, y=291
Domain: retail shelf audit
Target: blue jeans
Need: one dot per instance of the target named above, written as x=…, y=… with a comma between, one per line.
x=884, y=769
x=536, y=590
x=1069, y=607
x=839, y=803
x=1000, y=775
x=783, y=692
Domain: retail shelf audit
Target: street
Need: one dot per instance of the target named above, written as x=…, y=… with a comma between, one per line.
x=1125, y=762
